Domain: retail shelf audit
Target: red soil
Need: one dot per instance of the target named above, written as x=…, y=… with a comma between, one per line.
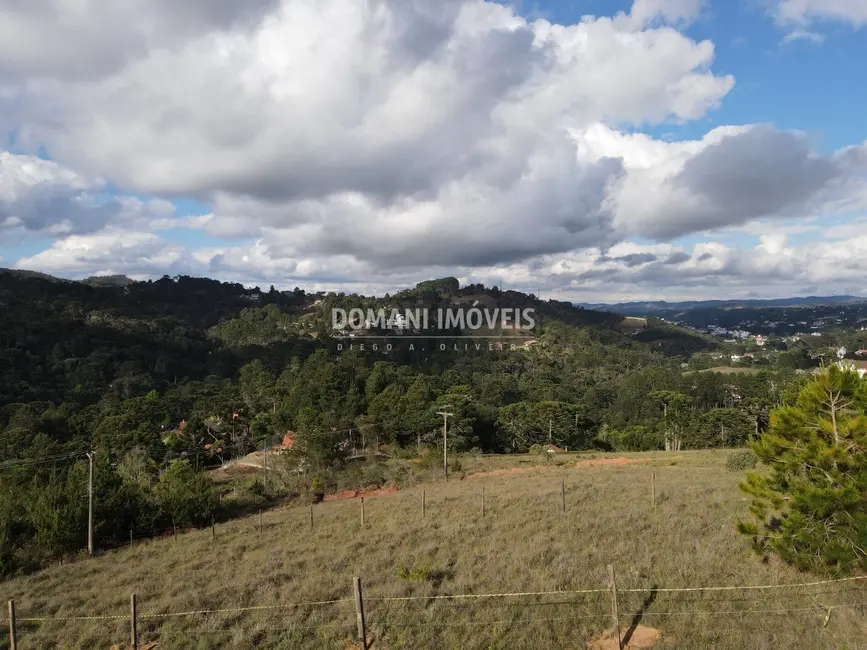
x=602, y=462
x=607, y=462
x=504, y=472
x=353, y=494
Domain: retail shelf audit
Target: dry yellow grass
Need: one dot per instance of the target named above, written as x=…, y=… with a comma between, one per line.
x=524, y=543
x=731, y=370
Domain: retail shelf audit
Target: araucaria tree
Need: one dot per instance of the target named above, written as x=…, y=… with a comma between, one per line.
x=810, y=501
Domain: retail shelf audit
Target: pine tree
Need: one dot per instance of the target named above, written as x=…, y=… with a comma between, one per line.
x=810, y=503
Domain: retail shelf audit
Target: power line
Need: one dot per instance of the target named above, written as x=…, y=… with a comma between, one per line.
x=17, y=462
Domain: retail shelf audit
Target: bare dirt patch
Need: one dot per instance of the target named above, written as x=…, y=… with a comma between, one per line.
x=601, y=462
x=609, y=462
x=354, y=494
x=641, y=637
x=506, y=472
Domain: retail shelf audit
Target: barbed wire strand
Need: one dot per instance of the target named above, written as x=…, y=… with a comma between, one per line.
x=453, y=597
x=619, y=590
x=229, y=610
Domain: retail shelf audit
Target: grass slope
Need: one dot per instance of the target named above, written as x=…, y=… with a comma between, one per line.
x=524, y=543
x=730, y=370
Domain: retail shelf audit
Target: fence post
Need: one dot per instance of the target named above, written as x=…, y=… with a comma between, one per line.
x=130, y=536
x=612, y=585
x=133, y=629
x=563, y=493
x=213, y=530
x=359, y=612
x=13, y=635
x=423, y=503
x=311, y=517
x=362, y=512
x=483, y=501
x=260, y=521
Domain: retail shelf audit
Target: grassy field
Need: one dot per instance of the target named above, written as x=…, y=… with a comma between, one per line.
x=730, y=370
x=524, y=542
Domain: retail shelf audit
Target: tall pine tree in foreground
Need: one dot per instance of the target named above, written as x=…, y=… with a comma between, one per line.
x=810, y=499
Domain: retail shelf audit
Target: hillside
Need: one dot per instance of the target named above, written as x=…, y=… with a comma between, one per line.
x=664, y=308
x=164, y=379
x=523, y=542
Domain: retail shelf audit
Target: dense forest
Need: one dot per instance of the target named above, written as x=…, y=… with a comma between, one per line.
x=163, y=379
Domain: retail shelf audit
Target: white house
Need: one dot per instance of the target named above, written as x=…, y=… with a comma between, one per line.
x=397, y=323
x=847, y=364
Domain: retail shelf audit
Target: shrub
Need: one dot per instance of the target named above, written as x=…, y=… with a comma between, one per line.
x=455, y=465
x=537, y=450
x=741, y=460
x=423, y=573
x=317, y=488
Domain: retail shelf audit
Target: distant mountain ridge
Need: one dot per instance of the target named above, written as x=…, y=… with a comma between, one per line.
x=662, y=306
x=22, y=273
x=93, y=281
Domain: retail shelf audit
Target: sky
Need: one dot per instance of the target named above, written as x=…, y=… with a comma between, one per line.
x=584, y=150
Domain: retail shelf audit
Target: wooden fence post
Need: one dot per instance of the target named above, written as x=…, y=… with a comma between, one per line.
x=483, y=501
x=213, y=530
x=359, y=612
x=423, y=503
x=612, y=585
x=362, y=512
x=133, y=628
x=13, y=633
x=260, y=521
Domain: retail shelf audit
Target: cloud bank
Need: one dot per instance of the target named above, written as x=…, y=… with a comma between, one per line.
x=377, y=143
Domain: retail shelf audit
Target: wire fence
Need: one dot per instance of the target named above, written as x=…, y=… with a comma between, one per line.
x=384, y=615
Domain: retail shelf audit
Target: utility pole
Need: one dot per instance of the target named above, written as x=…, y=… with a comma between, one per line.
x=90, y=504
x=264, y=464
x=446, y=417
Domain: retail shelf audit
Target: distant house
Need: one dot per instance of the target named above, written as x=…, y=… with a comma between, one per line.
x=288, y=440
x=861, y=353
x=858, y=366
x=398, y=322
x=735, y=357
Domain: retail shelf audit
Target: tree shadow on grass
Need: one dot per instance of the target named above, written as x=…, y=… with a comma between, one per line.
x=638, y=615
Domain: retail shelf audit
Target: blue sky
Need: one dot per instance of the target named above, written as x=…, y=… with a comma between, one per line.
x=328, y=146
x=799, y=84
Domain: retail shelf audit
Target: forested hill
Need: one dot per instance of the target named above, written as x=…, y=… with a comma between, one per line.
x=164, y=378
x=115, y=365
